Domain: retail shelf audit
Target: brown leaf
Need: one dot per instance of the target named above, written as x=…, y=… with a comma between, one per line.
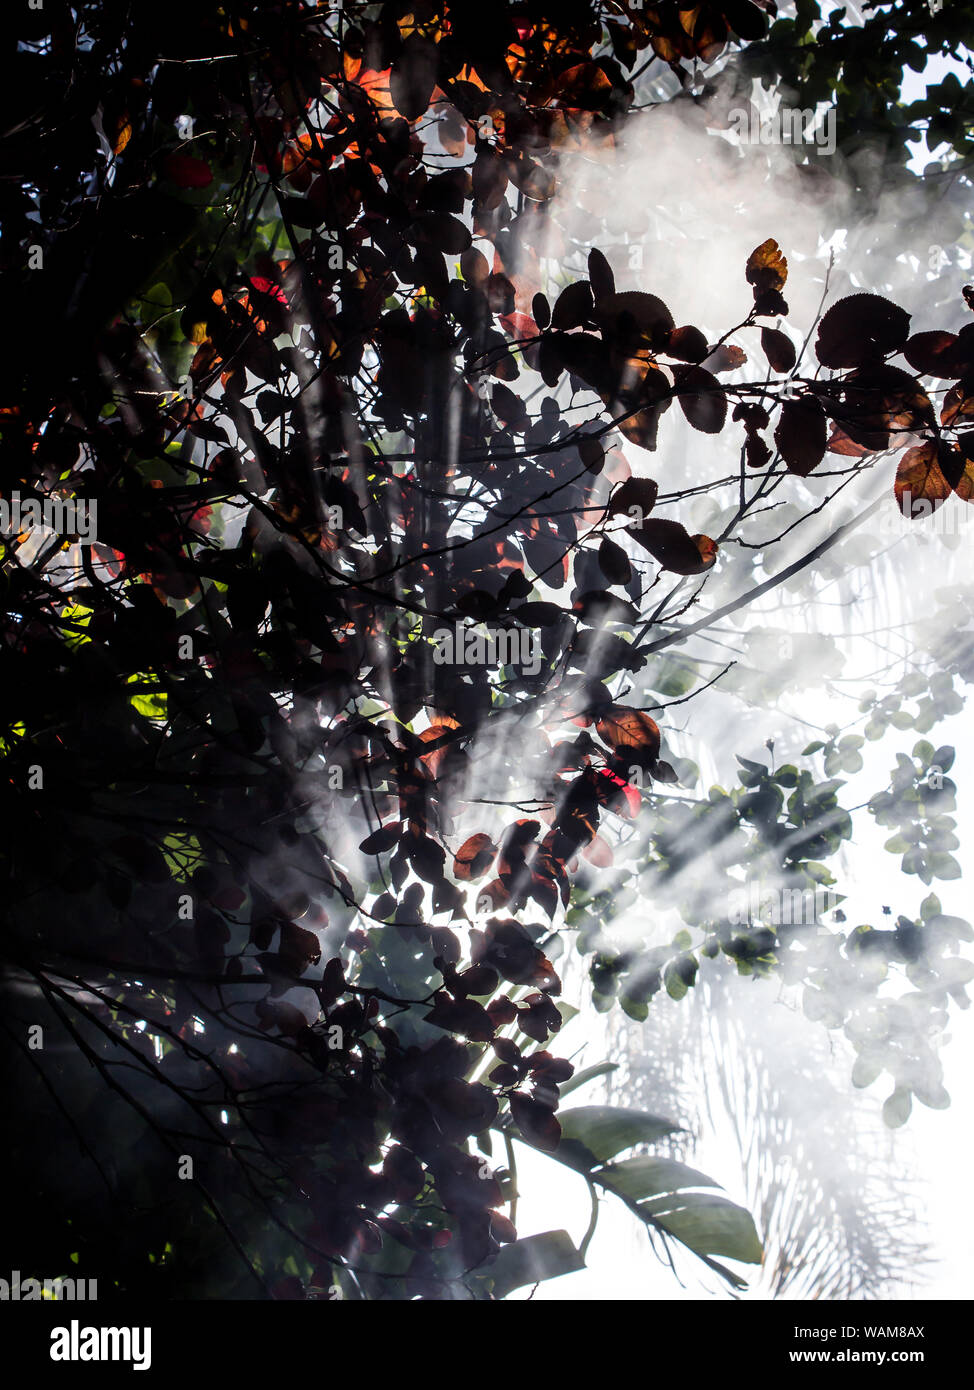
x=726, y=357
x=382, y=839
x=840, y=443
x=702, y=398
x=474, y=267
x=920, y=480
x=614, y=562
x=671, y=546
x=756, y=451
x=861, y=329
x=635, y=321
x=634, y=494
x=935, y=354
x=688, y=344
x=778, y=349
x=800, y=435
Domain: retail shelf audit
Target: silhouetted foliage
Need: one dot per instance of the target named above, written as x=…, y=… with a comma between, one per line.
x=367, y=544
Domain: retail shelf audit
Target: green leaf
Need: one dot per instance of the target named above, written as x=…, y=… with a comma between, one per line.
x=865, y=1070
x=676, y=986
x=587, y=1074
x=634, y=1009
x=897, y=1107
x=534, y=1259
x=592, y=1134
x=645, y=1176
x=710, y=1226
x=944, y=866
x=930, y=907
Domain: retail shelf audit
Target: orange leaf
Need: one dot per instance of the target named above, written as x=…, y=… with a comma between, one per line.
x=766, y=267
x=474, y=857
x=624, y=728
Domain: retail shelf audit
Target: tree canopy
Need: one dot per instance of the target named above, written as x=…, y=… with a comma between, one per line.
x=351, y=725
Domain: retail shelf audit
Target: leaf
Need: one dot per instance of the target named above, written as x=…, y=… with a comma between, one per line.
x=861, y=329
x=672, y=547
x=630, y=731
x=935, y=354
x=635, y=493
x=745, y=19
x=536, y=1122
x=595, y=1133
x=413, y=77
x=865, y=1070
x=542, y=614
x=635, y=320
x=299, y=948
x=441, y=231
x=592, y=454
x=614, y=562
x=541, y=310
x=646, y=1176
x=778, y=349
x=801, y=435
x=688, y=344
x=464, y=1016
x=702, y=398
x=920, y=486
x=766, y=267
x=711, y=1226
x=897, y=1108
x=474, y=267
x=509, y=408
x=382, y=839
x=573, y=307
x=474, y=857
x=727, y=357
x=186, y=171
x=587, y=1074
x=532, y=1260
x=756, y=451
x=600, y=275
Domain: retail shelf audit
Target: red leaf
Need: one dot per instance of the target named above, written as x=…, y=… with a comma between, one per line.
x=186, y=171
x=536, y=1122
x=474, y=857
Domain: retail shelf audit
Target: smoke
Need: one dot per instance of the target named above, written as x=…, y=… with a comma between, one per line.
x=677, y=205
